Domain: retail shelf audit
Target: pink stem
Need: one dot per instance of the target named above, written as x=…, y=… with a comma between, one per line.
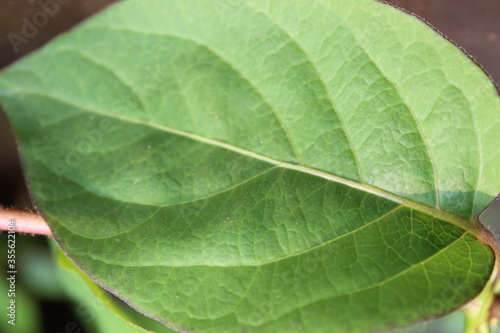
x=23, y=221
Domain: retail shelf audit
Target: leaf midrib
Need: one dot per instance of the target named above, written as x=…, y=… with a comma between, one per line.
x=443, y=215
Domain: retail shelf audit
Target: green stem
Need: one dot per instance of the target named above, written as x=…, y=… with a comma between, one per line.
x=477, y=312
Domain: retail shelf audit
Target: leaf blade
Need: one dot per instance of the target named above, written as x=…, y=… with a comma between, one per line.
x=233, y=133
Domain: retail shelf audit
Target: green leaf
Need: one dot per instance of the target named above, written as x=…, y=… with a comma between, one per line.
x=96, y=307
x=263, y=166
